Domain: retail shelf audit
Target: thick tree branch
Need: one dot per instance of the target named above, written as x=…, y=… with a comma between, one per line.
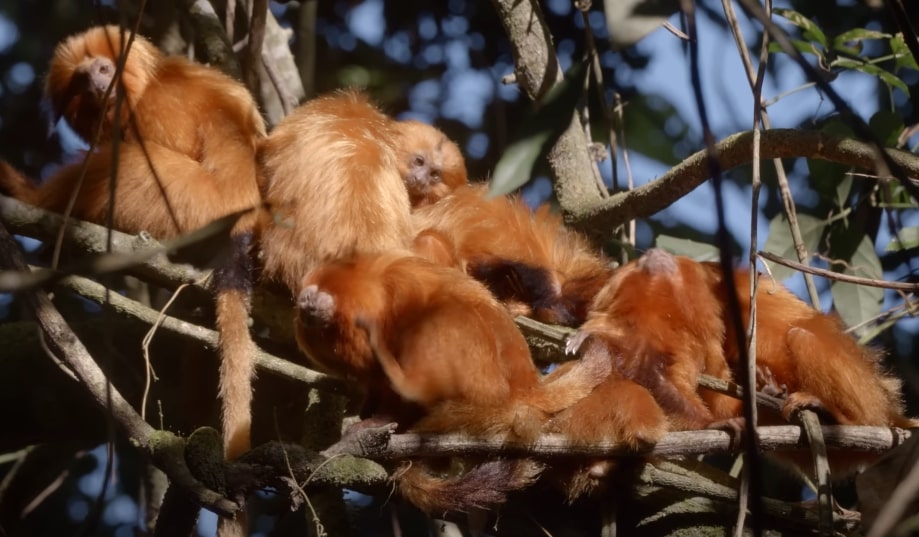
x=603, y=216
x=24, y=219
x=367, y=443
x=537, y=70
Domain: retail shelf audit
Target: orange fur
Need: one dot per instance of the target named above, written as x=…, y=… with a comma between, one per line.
x=528, y=259
x=430, y=164
x=186, y=156
x=188, y=139
x=329, y=177
x=81, y=71
x=388, y=323
x=617, y=410
x=809, y=354
x=664, y=328
x=669, y=316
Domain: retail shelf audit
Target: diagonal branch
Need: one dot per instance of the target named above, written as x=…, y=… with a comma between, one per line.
x=165, y=448
x=603, y=216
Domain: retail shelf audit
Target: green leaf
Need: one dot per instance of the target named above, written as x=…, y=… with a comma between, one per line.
x=885, y=76
x=851, y=42
x=804, y=47
x=906, y=238
x=830, y=180
x=699, y=251
x=843, y=189
x=628, y=21
x=886, y=127
x=858, y=303
x=809, y=29
x=904, y=57
x=780, y=242
x=646, y=116
x=538, y=132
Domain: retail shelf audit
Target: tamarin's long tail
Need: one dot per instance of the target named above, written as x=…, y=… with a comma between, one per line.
x=466, y=484
x=232, y=285
x=233, y=289
x=484, y=485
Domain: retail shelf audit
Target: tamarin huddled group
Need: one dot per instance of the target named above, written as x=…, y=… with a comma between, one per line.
x=404, y=277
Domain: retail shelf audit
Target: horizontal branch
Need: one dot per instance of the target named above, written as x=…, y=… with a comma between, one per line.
x=838, y=276
x=26, y=220
x=666, y=474
x=603, y=216
x=372, y=444
x=125, y=306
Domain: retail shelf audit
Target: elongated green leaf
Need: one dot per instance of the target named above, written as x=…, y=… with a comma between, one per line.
x=904, y=58
x=858, y=303
x=628, y=21
x=780, y=242
x=850, y=42
x=906, y=238
x=886, y=127
x=804, y=47
x=699, y=251
x=117, y=262
x=538, y=132
x=808, y=28
x=885, y=76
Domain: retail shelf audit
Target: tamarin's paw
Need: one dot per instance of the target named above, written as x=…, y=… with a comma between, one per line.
x=733, y=426
x=798, y=401
x=369, y=434
x=315, y=306
x=768, y=384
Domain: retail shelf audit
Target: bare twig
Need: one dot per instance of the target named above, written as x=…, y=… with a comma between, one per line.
x=838, y=276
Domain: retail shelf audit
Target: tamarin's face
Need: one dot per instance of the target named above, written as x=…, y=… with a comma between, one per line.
x=92, y=78
x=430, y=164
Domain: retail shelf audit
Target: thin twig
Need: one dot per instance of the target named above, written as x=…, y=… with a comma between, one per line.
x=838, y=276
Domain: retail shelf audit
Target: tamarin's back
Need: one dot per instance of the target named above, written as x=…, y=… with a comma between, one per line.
x=329, y=179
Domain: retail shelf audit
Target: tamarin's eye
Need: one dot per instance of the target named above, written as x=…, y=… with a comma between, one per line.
x=419, y=161
x=435, y=174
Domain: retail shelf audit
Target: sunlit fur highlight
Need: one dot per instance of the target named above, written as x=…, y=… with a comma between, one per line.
x=527, y=258
x=332, y=188
x=389, y=324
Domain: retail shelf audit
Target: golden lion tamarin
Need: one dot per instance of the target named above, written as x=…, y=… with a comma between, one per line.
x=186, y=156
x=808, y=354
x=330, y=180
x=434, y=352
x=672, y=313
x=430, y=164
x=667, y=327
x=617, y=410
x=528, y=259
x=188, y=135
